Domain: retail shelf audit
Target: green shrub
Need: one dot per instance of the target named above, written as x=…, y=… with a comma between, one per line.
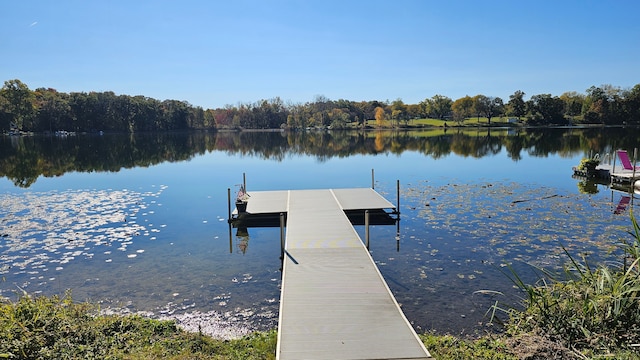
x=586, y=308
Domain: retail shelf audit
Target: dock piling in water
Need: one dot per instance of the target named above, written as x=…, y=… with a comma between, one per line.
x=398, y=198
x=373, y=182
x=229, y=203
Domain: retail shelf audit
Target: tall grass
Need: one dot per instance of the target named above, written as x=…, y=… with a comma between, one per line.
x=584, y=306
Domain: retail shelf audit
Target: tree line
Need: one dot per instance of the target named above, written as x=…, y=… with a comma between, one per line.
x=45, y=109
x=49, y=110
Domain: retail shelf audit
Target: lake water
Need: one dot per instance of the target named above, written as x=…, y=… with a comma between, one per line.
x=138, y=224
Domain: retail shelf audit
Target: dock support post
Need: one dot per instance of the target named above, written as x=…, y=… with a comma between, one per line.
x=398, y=196
x=282, y=236
x=366, y=227
x=373, y=186
x=229, y=220
x=244, y=182
x=229, y=204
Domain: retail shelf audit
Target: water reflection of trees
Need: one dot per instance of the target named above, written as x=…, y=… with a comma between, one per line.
x=24, y=159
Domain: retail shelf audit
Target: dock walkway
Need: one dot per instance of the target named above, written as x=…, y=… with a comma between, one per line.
x=334, y=302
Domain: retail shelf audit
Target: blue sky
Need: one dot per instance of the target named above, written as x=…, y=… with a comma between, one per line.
x=213, y=53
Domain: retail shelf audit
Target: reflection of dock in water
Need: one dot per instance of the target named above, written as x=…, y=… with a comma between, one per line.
x=627, y=192
x=334, y=303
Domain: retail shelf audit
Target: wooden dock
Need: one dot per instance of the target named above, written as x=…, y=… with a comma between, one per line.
x=609, y=175
x=624, y=174
x=334, y=302
x=625, y=177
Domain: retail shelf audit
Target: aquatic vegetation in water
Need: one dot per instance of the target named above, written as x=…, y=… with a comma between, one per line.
x=43, y=231
x=512, y=221
x=457, y=236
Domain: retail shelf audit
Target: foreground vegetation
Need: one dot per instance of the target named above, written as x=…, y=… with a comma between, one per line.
x=58, y=328
x=591, y=310
x=582, y=312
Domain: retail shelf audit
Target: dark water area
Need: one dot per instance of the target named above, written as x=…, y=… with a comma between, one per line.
x=138, y=223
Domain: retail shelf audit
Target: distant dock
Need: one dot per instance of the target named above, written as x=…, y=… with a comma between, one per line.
x=334, y=302
x=610, y=173
x=606, y=174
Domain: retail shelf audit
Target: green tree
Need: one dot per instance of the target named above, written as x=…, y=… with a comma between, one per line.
x=364, y=108
x=572, y=103
x=546, y=109
x=414, y=111
x=338, y=118
x=632, y=104
x=516, y=105
x=5, y=116
x=487, y=106
x=195, y=119
x=438, y=106
x=617, y=112
x=398, y=110
x=479, y=105
x=209, y=120
x=19, y=104
x=53, y=110
x=496, y=107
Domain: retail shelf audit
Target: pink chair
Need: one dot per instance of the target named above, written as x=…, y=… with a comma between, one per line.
x=626, y=162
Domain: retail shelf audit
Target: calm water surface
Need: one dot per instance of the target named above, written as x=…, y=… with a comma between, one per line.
x=155, y=239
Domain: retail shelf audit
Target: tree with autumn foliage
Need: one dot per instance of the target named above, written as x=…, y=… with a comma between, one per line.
x=380, y=116
x=462, y=109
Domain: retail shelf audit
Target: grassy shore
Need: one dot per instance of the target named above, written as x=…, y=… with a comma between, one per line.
x=430, y=122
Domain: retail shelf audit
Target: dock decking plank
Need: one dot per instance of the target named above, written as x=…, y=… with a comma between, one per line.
x=315, y=220
x=334, y=302
x=266, y=202
x=361, y=198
